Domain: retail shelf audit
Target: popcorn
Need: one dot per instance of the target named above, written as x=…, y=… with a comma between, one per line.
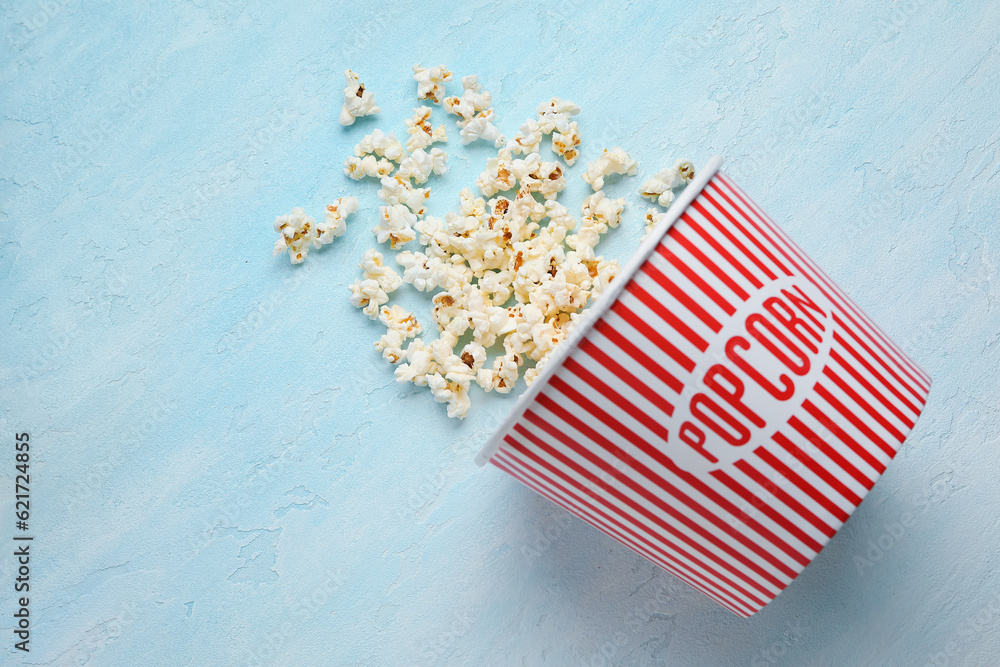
x=499, y=174
x=430, y=82
x=394, y=225
x=367, y=295
x=553, y=113
x=660, y=188
x=528, y=139
x=374, y=269
x=482, y=127
x=603, y=210
x=420, y=165
x=653, y=218
x=422, y=133
x=505, y=269
x=419, y=364
x=358, y=102
x=565, y=141
x=398, y=190
x=401, y=325
x=298, y=232
x=473, y=101
x=359, y=167
x=335, y=223
x=382, y=145
x=615, y=161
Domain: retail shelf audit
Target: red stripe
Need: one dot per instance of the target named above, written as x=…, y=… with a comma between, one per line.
x=879, y=358
x=696, y=252
x=651, y=553
x=589, y=407
x=651, y=451
x=784, y=497
x=831, y=453
x=856, y=397
x=664, y=313
x=831, y=426
x=641, y=509
x=874, y=333
x=655, y=549
x=871, y=369
x=798, y=481
x=666, y=283
x=719, y=248
x=816, y=468
x=712, y=189
x=587, y=346
x=851, y=417
x=695, y=279
x=860, y=379
x=574, y=367
x=771, y=513
x=682, y=517
x=752, y=256
x=643, y=327
x=665, y=376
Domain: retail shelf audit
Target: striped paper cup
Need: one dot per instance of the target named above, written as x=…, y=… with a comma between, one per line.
x=722, y=408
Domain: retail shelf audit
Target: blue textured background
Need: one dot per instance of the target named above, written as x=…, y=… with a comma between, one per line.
x=225, y=471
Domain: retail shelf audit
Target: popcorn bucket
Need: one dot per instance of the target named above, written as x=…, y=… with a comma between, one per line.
x=723, y=407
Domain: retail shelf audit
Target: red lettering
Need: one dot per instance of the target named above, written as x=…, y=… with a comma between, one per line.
x=740, y=434
x=733, y=393
x=795, y=324
x=738, y=342
x=694, y=437
x=756, y=319
x=805, y=304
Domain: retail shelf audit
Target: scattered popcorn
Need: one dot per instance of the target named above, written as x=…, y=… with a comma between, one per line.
x=615, y=161
x=359, y=167
x=358, y=102
x=394, y=225
x=508, y=271
x=660, y=188
x=298, y=232
x=335, y=223
x=419, y=165
x=382, y=145
x=430, y=82
x=422, y=133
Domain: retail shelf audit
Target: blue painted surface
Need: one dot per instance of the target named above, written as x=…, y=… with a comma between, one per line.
x=224, y=472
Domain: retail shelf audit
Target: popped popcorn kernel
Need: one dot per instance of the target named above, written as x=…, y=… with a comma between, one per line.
x=421, y=133
x=395, y=225
x=382, y=145
x=367, y=295
x=660, y=188
x=398, y=190
x=614, y=161
x=358, y=101
x=335, y=222
x=367, y=166
x=430, y=82
x=298, y=232
x=565, y=141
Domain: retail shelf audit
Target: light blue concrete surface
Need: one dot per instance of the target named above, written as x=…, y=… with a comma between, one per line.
x=225, y=472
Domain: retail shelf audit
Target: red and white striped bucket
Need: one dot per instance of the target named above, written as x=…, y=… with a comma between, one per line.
x=722, y=409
